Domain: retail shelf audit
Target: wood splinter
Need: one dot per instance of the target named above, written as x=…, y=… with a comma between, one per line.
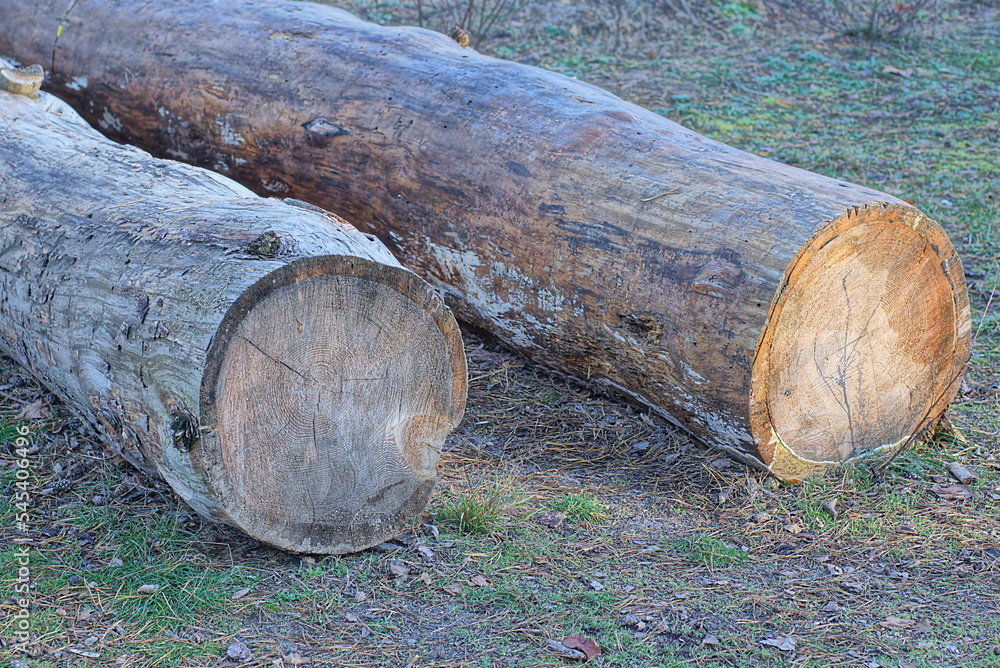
x=22, y=80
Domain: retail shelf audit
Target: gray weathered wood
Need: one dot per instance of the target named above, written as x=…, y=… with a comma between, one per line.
x=277, y=367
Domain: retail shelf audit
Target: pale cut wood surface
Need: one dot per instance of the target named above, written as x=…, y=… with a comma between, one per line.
x=277, y=367
x=594, y=236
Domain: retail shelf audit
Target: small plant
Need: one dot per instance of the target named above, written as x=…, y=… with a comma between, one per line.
x=876, y=20
x=484, y=20
x=478, y=511
x=579, y=507
x=711, y=552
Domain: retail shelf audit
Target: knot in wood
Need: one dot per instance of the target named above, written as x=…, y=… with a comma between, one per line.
x=266, y=245
x=183, y=429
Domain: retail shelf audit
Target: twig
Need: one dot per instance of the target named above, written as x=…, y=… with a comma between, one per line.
x=669, y=192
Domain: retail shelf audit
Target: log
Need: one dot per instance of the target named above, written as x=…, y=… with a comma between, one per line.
x=790, y=319
x=277, y=367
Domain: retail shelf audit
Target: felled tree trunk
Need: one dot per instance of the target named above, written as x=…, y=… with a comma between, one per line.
x=277, y=367
x=788, y=318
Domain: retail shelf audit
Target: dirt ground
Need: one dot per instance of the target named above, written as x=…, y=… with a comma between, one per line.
x=561, y=513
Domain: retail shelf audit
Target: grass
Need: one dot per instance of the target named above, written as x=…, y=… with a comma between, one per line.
x=481, y=511
x=579, y=507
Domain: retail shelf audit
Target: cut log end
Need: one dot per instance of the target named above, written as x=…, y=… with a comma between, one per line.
x=865, y=342
x=330, y=388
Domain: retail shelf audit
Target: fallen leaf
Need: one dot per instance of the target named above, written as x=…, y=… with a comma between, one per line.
x=923, y=627
x=425, y=577
x=586, y=645
x=295, y=659
x=830, y=506
x=830, y=606
x=425, y=551
x=453, y=589
x=761, y=517
x=351, y=617
x=36, y=410
x=551, y=519
x=649, y=549
x=961, y=474
x=148, y=588
x=721, y=464
x=785, y=644
x=237, y=595
x=398, y=568
x=889, y=69
x=793, y=528
x=239, y=651
x=710, y=640
x=479, y=581
x=892, y=622
x=951, y=493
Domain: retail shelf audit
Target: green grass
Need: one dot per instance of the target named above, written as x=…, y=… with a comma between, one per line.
x=481, y=510
x=579, y=507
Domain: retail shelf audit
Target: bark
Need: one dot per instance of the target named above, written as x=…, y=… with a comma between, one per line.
x=276, y=366
x=787, y=318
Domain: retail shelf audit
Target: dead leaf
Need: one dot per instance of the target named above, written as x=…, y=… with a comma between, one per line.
x=961, y=474
x=710, y=640
x=425, y=552
x=425, y=577
x=353, y=618
x=830, y=506
x=239, y=651
x=479, y=581
x=721, y=464
x=586, y=645
x=793, y=528
x=889, y=69
x=453, y=589
x=295, y=659
x=36, y=410
x=892, y=622
x=551, y=519
x=237, y=595
x=923, y=627
x=148, y=588
x=785, y=644
x=951, y=493
x=398, y=568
